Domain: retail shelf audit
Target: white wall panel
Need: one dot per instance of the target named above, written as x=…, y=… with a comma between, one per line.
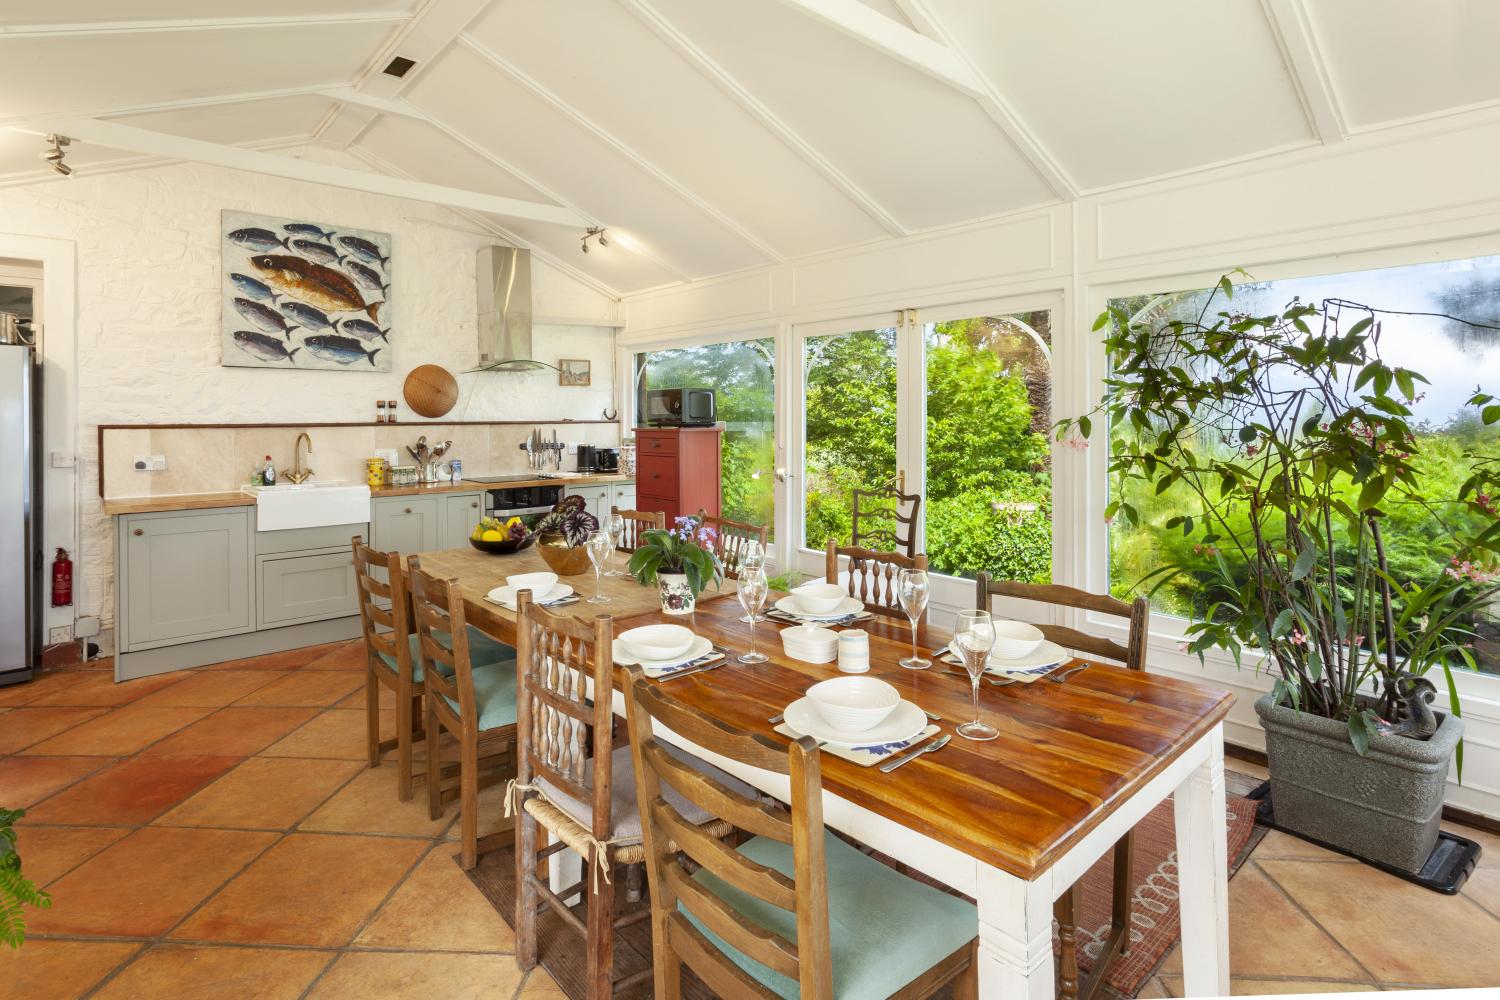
x=704, y=303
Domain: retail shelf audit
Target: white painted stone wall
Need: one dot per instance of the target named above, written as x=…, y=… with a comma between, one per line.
x=148, y=316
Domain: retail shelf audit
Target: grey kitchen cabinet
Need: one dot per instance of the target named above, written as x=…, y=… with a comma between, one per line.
x=306, y=587
x=184, y=575
x=597, y=498
x=461, y=513
x=406, y=524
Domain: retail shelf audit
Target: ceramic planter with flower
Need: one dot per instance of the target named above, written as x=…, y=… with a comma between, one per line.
x=679, y=561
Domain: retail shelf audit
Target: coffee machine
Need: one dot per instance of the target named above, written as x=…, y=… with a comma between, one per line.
x=607, y=459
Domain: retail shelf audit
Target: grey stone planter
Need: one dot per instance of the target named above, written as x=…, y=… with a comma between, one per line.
x=1384, y=806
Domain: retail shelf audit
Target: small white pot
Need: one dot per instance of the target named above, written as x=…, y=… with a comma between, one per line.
x=676, y=596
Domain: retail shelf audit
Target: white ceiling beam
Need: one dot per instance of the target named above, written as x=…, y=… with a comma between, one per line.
x=45, y=175
x=424, y=37
x=384, y=105
x=138, y=140
x=993, y=102
x=1309, y=71
x=74, y=29
x=869, y=26
x=619, y=146
x=178, y=105
x=715, y=73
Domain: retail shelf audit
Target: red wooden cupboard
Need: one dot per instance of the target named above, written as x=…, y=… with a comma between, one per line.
x=678, y=470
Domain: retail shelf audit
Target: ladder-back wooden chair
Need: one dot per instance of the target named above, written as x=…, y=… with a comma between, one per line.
x=763, y=919
x=873, y=577
x=384, y=616
x=885, y=519
x=731, y=539
x=637, y=523
x=473, y=702
x=1131, y=654
x=586, y=801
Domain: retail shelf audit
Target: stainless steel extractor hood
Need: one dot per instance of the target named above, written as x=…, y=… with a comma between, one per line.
x=504, y=286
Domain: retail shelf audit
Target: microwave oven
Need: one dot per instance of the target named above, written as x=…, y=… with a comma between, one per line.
x=680, y=408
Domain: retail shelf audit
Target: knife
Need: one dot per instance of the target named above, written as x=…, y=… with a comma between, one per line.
x=936, y=744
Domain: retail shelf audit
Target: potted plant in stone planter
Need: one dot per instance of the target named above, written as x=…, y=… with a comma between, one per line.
x=1291, y=438
x=680, y=561
x=16, y=891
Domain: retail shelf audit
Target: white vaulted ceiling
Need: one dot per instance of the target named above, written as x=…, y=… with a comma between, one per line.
x=712, y=136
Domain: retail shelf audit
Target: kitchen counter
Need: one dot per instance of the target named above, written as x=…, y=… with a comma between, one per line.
x=236, y=498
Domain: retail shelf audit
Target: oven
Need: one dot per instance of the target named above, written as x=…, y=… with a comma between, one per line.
x=519, y=501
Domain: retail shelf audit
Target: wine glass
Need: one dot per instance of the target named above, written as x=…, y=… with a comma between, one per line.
x=911, y=588
x=599, y=547
x=615, y=525
x=752, y=592
x=752, y=557
x=974, y=637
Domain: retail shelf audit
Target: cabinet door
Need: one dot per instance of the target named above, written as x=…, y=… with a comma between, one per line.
x=406, y=524
x=461, y=513
x=309, y=587
x=597, y=498
x=623, y=496
x=186, y=575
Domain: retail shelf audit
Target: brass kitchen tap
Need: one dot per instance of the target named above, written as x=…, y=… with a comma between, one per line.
x=298, y=473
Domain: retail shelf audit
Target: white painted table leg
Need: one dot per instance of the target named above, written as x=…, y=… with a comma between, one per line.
x=564, y=868
x=1015, y=936
x=1203, y=874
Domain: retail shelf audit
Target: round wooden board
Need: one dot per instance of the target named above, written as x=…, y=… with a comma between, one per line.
x=430, y=391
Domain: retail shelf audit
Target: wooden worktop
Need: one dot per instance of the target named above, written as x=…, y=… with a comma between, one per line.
x=237, y=498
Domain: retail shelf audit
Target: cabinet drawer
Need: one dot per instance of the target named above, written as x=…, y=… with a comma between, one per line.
x=655, y=443
x=667, y=505
x=306, y=588
x=657, y=475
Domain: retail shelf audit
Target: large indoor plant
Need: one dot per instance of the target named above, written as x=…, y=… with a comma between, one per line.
x=680, y=561
x=1294, y=439
x=16, y=891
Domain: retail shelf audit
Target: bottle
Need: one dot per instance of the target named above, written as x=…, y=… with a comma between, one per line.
x=257, y=476
x=390, y=411
x=380, y=411
x=269, y=475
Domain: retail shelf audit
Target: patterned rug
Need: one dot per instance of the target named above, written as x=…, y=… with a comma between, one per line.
x=1154, y=912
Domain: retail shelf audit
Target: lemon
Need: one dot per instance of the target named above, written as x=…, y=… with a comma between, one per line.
x=478, y=532
x=492, y=536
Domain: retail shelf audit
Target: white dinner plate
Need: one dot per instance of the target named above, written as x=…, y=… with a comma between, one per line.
x=905, y=722
x=700, y=647
x=789, y=605
x=506, y=596
x=1046, y=656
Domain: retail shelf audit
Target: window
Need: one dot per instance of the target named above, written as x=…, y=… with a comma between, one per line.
x=989, y=410
x=742, y=374
x=1454, y=356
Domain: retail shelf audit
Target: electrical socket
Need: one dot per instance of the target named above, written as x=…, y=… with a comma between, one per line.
x=86, y=627
x=150, y=463
x=64, y=460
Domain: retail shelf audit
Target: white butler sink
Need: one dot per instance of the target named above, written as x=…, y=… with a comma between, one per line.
x=309, y=505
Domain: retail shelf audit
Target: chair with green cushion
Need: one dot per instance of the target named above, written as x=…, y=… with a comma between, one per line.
x=794, y=911
x=474, y=701
x=390, y=658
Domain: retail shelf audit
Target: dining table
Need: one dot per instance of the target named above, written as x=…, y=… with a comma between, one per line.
x=1012, y=822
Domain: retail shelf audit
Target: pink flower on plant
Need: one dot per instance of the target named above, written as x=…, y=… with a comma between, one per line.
x=1077, y=442
x=1298, y=639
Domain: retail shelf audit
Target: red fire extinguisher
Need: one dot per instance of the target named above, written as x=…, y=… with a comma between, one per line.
x=62, y=579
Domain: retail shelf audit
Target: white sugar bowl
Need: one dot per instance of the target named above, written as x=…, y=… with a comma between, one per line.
x=854, y=651
x=810, y=643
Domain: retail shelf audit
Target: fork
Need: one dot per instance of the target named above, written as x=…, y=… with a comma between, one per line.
x=1059, y=678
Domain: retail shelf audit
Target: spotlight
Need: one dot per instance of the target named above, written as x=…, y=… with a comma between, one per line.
x=54, y=155
x=593, y=232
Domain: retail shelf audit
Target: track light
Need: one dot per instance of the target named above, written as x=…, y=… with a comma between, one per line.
x=54, y=154
x=594, y=232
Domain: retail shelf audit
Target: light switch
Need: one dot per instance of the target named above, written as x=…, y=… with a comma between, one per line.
x=150, y=463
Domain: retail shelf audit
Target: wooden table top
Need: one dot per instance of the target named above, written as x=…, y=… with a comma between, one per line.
x=1067, y=754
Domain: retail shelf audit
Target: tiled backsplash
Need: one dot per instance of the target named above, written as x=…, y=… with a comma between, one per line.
x=214, y=459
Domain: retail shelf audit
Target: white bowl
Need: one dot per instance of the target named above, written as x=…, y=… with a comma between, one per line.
x=854, y=704
x=819, y=598
x=540, y=584
x=657, y=642
x=1014, y=640
x=810, y=643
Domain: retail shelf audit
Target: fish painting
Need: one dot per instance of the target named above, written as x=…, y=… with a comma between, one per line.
x=320, y=252
x=308, y=229
x=363, y=248
x=262, y=316
x=256, y=239
x=252, y=288
x=264, y=347
x=303, y=294
x=305, y=316
x=363, y=329
x=343, y=350
x=366, y=276
x=306, y=281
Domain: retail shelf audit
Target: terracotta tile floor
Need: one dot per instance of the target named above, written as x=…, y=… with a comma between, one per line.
x=215, y=833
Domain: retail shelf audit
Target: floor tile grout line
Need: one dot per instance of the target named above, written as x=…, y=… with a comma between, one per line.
x=1297, y=904
x=267, y=945
x=107, y=762
x=145, y=946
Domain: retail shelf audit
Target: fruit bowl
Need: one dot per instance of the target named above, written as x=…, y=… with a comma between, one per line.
x=503, y=547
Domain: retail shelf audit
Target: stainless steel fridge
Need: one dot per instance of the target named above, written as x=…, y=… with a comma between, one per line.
x=20, y=514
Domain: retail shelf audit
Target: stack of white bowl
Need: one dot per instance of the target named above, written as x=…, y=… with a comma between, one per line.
x=810, y=643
